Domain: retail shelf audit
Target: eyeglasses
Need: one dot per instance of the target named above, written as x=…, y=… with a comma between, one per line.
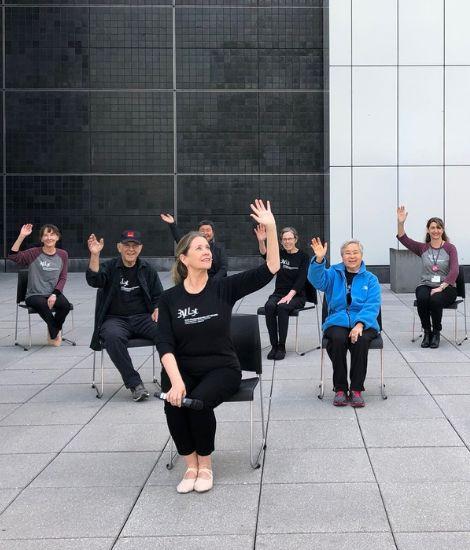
x=131, y=246
x=288, y=239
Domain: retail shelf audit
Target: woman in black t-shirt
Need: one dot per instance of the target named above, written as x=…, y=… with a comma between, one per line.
x=195, y=346
x=289, y=292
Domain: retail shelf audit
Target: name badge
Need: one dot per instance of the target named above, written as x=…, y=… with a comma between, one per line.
x=436, y=279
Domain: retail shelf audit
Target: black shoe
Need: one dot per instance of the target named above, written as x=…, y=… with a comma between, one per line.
x=280, y=353
x=272, y=353
x=435, y=340
x=139, y=393
x=426, y=339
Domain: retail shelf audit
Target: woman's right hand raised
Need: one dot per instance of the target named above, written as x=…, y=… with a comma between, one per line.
x=167, y=218
x=260, y=232
x=402, y=214
x=95, y=246
x=26, y=230
x=319, y=249
x=176, y=394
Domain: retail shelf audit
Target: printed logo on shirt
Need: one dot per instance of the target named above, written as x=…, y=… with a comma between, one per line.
x=47, y=266
x=125, y=286
x=189, y=316
x=285, y=264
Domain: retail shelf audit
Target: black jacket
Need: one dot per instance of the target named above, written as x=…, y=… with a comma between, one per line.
x=219, y=256
x=107, y=279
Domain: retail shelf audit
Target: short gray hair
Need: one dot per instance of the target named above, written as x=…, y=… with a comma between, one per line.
x=352, y=241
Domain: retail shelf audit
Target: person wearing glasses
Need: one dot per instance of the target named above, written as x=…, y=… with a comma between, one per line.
x=289, y=291
x=129, y=304
x=440, y=269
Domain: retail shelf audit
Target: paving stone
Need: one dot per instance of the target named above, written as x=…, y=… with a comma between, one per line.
x=441, y=369
x=192, y=542
x=6, y=409
x=19, y=394
x=36, y=439
x=30, y=377
x=432, y=541
x=6, y=497
x=451, y=385
x=322, y=507
x=321, y=541
x=454, y=406
x=67, y=512
x=419, y=406
x=17, y=470
x=436, y=506
x=58, y=544
x=40, y=414
x=227, y=509
x=307, y=409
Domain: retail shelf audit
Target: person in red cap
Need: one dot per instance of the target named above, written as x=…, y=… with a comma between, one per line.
x=128, y=306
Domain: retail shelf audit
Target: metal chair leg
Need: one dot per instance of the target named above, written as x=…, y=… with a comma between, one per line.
x=93, y=382
x=322, y=380
x=318, y=327
x=68, y=340
x=255, y=461
x=297, y=335
x=455, y=327
x=154, y=374
x=172, y=456
x=421, y=331
x=30, y=337
x=464, y=321
x=382, y=384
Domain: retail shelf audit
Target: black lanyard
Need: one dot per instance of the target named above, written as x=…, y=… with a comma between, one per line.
x=435, y=259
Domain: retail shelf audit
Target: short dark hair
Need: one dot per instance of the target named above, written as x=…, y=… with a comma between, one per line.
x=206, y=222
x=49, y=228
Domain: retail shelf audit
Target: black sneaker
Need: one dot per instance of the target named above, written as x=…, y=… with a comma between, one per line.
x=139, y=393
x=280, y=353
x=272, y=353
x=435, y=340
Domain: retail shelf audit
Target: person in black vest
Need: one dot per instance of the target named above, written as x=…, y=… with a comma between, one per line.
x=195, y=345
x=129, y=306
x=289, y=292
x=206, y=227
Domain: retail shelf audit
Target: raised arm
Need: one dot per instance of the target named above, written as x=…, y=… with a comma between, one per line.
x=317, y=272
x=25, y=231
x=170, y=220
x=415, y=246
x=402, y=214
x=263, y=216
x=260, y=232
x=95, y=276
x=25, y=257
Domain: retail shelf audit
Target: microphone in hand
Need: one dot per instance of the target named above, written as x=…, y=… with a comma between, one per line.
x=195, y=404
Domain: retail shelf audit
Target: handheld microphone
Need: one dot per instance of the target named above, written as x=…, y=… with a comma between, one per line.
x=195, y=404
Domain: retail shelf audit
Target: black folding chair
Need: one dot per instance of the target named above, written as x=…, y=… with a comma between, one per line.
x=460, y=284
x=132, y=343
x=21, y=288
x=311, y=297
x=247, y=343
x=376, y=343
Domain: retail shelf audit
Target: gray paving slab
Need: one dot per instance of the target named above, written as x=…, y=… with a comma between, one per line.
x=36, y=439
x=444, y=354
x=441, y=369
x=59, y=362
x=30, y=376
x=191, y=542
x=69, y=393
x=323, y=541
x=19, y=394
x=436, y=432
x=322, y=507
x=41, y=414
x=436, y=506
x=432, y=541
x=129, y=412
x=421, y=464
x=6, y=497
x=58, y=544
x=307, y=409
x=229, y=467
x=462, y=427
x=403, y=406
x=454, y=406
x=17, y=470
x=314, y=434
x=97, y=470
x=6, y=409
x=76, y=512
x=227, y=509
x=317, y=466
x=451, y=385
x=396, y=386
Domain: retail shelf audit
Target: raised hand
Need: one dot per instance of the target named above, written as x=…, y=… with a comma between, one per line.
x=26, y=230
x=95, y=246
x=262, y=214
x=319, y=249
x=167, y=218
x=402, y=214
x=260, y=232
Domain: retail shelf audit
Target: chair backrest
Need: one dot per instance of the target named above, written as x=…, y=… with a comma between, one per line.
x=247, y=342
x=22, y=285
x=324, y=313
x=311, y=293
x=460, y=283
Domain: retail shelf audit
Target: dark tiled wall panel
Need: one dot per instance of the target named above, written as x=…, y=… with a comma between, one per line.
x=114, y=108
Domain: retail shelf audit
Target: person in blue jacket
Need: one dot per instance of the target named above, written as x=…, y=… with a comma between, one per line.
x=353, y=296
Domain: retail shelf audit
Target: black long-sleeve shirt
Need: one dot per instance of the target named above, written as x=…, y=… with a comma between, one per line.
x=196, y=327
x=219, y=256
x=293, y=273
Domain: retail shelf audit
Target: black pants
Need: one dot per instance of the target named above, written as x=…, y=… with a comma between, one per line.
x=54, y=319
x=116, y=331
x=430, y=307
x=277, y=317
x=194, y=431
x=337, y=348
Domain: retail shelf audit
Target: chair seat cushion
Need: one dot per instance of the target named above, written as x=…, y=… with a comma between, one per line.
x=246, y=390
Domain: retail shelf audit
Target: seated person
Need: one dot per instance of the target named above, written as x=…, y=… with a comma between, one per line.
x=206, y=227
x=47, y=275
x=195, y=345
x=289, y=292
x=439, y=272
x=353, y=296
x=129, y=305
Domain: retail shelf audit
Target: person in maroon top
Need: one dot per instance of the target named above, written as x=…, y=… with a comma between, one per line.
x=47, y=275
x=440, y=269
x=195, y=345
